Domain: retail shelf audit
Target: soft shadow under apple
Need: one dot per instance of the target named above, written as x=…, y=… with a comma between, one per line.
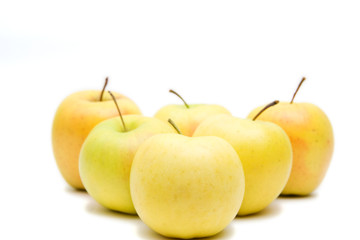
x=95, y=208
x=272, y=210
x=75, y=191
x=146, y=233
x=298, y=197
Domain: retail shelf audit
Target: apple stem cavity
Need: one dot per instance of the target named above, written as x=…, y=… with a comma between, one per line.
x=266, y=107
x=117, y=106
x=297, y=89
x=174, y=126
x=172, y=91
x=102, y=91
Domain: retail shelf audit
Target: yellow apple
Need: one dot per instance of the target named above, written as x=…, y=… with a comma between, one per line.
x=107, y=154
x=312, y=140
x=265, y=152
x=74, y=119
x=188, y=117
x=185, y=187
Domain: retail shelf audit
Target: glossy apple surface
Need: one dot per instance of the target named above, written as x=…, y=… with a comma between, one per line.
x=186, y=187
x=187, y=119
x=312, y=140
x=107, y=155
x=265, y=152
x=74, y=119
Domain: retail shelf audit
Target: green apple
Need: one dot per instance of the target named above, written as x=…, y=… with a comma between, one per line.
x=107, y=154
x=184, y=187
x=74, y=119
x=188, y=117
x=312, y=140
x=265, y=152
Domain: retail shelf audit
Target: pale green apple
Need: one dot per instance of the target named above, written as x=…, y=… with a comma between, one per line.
x=185, y=187
x=188, y=116
x=74, y=119
x=107, y=154
x=265, y=152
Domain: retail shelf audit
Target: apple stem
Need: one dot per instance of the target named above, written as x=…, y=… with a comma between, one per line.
x=302, y=80
x=174, y=126
x=266, y=107
x=172, y=91
x=102, y=91
x=117, y=106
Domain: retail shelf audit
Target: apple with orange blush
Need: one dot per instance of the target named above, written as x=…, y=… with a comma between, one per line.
x=312, y=140
x=74, y=119
x=189, y=116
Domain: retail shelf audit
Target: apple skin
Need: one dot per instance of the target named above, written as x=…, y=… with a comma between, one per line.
x=107, y=154
x=187, y=119
x=74, y=119
x=312, y=140
x=265, y=152
x=186, y=187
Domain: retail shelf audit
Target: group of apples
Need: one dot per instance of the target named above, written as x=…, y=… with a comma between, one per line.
x=190, y=169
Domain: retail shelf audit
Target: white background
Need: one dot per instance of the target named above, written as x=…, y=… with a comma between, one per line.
x=239, y=54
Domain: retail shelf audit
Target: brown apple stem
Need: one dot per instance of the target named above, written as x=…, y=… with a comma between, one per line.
x=172, y=91
x=117, y=106
x=102, y=91
x=302, y=80
x=174, y=126
x=266, y=107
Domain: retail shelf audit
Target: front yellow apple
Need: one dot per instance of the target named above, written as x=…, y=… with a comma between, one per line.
x=265, y=152
x=107, y=154
x=312, y=140
x=74, y=119
x=186, y=187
